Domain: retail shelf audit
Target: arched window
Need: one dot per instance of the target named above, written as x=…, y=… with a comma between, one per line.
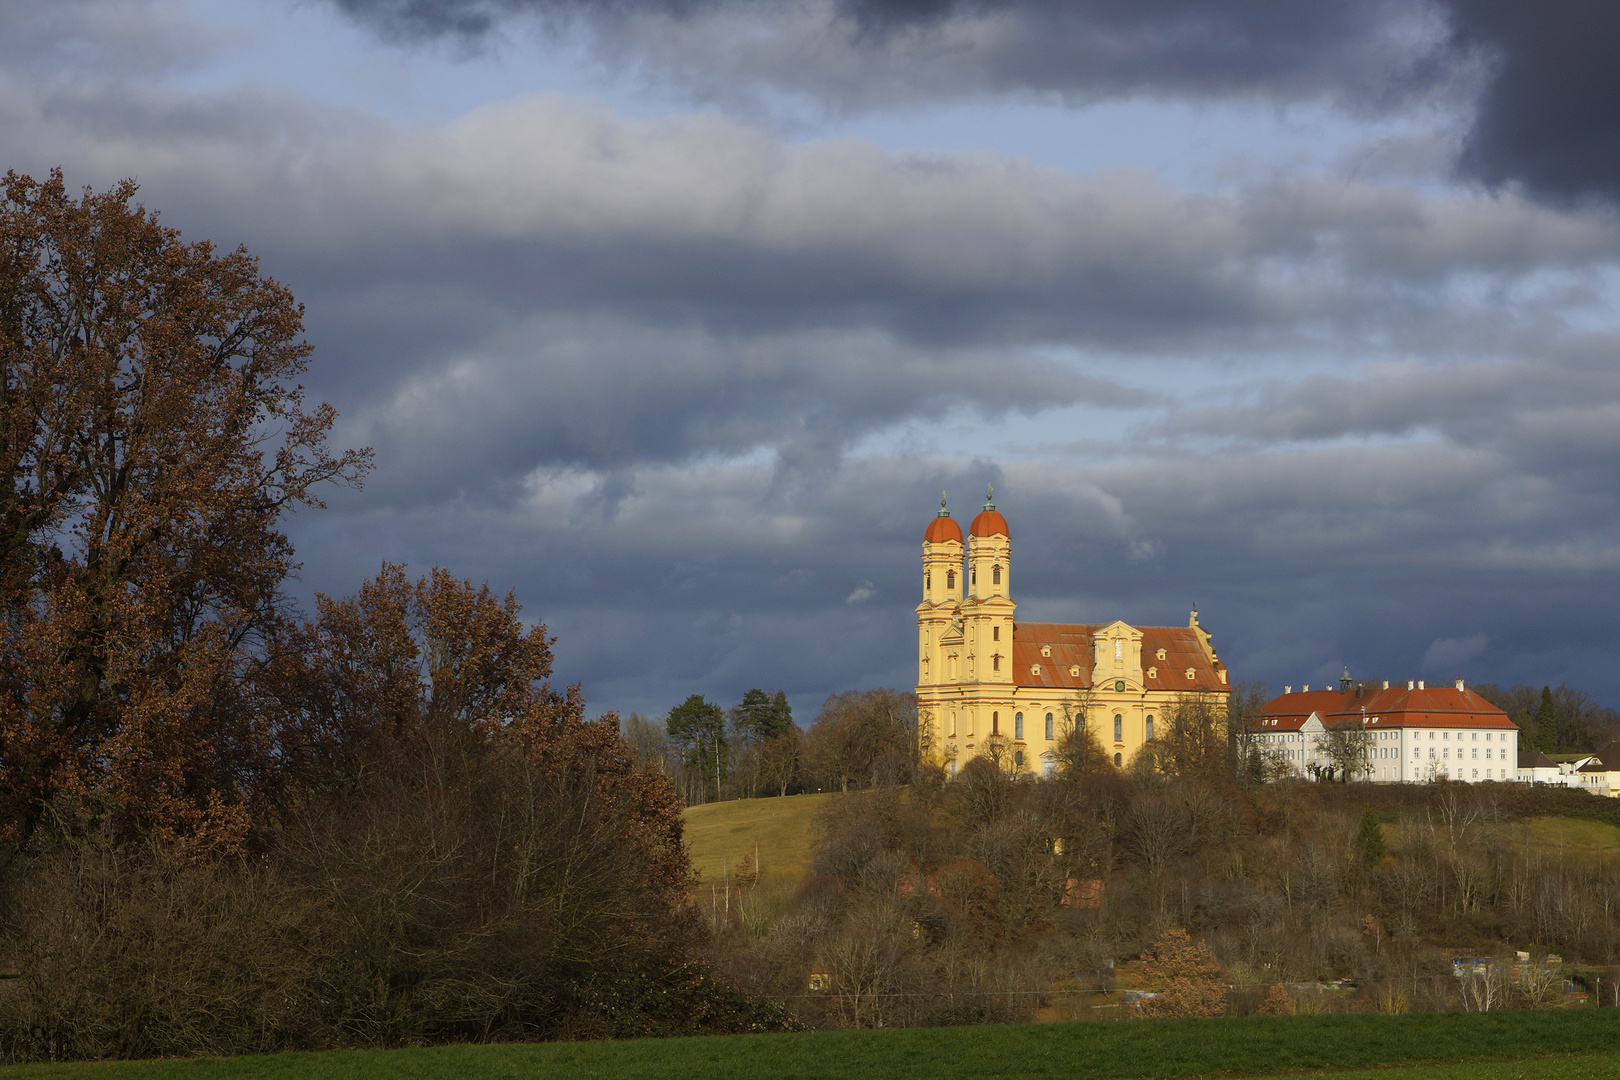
x=1119, y=759
x=950, y=579
x=1018, y=725
x=1018, y=758
x=973, y=575
x=995, y=662
x=995, y=723
x=995, y=575
x=928, y=581
x=1150, y=727
x=1119, y=728
x=953, y=725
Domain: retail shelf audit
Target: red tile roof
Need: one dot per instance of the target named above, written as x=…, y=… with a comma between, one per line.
x=1072, y=644
x=989, y=523
x=941, y=529
x=1435, y=706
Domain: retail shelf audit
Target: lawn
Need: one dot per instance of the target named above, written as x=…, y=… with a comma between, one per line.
x=1577, y=836
x=782, y=829
x=1555, y=1045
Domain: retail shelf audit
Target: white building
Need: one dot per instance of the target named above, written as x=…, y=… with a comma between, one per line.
x=1417, y=733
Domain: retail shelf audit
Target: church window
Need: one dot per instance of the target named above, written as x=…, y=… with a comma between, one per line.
x=950, y=579
x=995, y=575
x=1150, y=727
x=1018, y=758
x=1049, y=725
x=1119, y=759
x=973, y=578
x=995, y=633
x=928, y=581
x=1018, y=725
x=995, y=723
x=1119, y=728
x=953, y=725
x=995, y=662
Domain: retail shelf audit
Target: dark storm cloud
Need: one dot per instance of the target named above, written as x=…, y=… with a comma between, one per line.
x=1550, y=116
x=1546, y=76
x=1379, y=49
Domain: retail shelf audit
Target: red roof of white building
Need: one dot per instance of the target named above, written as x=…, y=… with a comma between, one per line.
x=1435, y=706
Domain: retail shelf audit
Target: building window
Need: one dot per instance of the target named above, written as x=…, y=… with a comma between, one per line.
x=1161, y=654
x=1035, y=670
x=953, y=726
x=995, y=633
x=995, y=662
x=950, y=579
x=1046, y=650
x=995, y=723
x=1189, y=674
x=1049, y=726
x=928, y=581
x=1119, y=728
x=1018, y=725
x=1119, y=759
x=1150, y=727
x=974, y=578
x=1018, y=758
x=1153, y=673
x=1074, y=670
x=995, y=575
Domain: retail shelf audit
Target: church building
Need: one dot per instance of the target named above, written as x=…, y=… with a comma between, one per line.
x=986, y=681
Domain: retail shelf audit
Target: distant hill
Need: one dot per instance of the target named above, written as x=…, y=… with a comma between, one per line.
x=782, y=830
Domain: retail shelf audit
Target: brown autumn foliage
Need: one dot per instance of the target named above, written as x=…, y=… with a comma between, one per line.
x=225, y=830
x=152, y=431
x=1187, y=978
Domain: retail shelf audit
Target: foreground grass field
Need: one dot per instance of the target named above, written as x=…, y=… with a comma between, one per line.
x=1555, y=1045
x=719, y=834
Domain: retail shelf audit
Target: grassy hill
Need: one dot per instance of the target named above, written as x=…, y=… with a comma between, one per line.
x=782, y=830
x=1551, y=1045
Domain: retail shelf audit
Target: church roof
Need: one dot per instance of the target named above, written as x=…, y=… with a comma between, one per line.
x=941, y=529
x=989, y=523
x=1435, y=706
x=1071, y=647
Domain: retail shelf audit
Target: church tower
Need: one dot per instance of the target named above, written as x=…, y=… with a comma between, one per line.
x=942, y=596
x=987, y=611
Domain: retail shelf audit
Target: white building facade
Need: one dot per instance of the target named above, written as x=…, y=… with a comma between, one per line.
x=1416, y=734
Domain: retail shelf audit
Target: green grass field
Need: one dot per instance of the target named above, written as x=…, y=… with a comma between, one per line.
x=719, y=834
x=1555, y=1045
x=1573, y=835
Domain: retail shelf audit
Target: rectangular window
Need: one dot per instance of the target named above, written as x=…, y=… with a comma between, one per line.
x=1048, y=726
x=1018, y=725
x=1119, y=728
x=995, y=633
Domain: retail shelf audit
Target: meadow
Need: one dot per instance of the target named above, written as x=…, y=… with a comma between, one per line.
x=1555, y=1045
x=781, y=830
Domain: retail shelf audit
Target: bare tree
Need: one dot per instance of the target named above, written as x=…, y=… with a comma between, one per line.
x=1347, y=745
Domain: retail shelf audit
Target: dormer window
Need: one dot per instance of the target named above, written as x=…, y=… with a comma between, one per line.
x=1035, y=669
x=1046, y=650
x=1161, y=654
x=1153, y=673
x=1074, y=671
x=1191, y=674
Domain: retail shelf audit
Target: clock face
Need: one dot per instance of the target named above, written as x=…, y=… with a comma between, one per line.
x=1119, y=686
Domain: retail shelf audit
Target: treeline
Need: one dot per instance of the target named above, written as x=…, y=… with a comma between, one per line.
x=995, y=897
x=225, y=828
x=1555, y=721
x=754, y=750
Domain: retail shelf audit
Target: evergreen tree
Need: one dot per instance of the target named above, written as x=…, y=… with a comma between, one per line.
x=698, y=727
x=1547, y=723
x=1371, y=840
x=760, y=716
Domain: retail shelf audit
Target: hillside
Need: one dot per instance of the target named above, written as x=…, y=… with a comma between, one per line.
x=781, y=830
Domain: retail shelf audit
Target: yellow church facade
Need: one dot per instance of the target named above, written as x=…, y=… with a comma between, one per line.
x=987, y=683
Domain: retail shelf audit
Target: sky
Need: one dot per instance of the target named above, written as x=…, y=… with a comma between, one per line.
x=676, y=317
